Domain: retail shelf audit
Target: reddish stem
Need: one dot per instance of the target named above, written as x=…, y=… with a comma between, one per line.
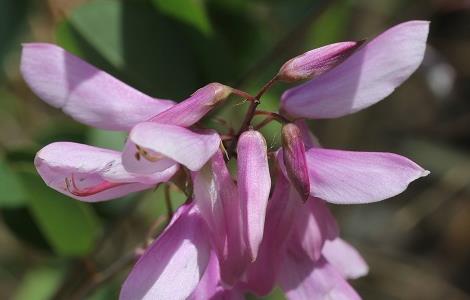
x=251, y=113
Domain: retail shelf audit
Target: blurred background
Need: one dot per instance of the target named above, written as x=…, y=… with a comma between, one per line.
x=417, y=244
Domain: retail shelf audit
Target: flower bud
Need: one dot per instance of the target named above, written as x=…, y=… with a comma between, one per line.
x=293, y=150
x=317, y=61
x=191, y=110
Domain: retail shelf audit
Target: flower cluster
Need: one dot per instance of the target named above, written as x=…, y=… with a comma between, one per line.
x=247, y=235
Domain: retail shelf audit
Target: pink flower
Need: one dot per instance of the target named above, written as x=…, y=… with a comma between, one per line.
x=301, y=249
x=95, y=98
x=233, y=237
x=224, y=221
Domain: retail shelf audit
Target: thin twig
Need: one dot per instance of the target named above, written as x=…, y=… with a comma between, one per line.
x=250, y=113
x=243, y=94
x=273, y=115
x=169, y=205
x=105, y=275
x=263, y=123
x=281, y=47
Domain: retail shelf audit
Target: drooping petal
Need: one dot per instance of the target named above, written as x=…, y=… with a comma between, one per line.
x=191, y=110
x=281, y=215
x=254, y=184
x=210, y=286
x=366, y=77
x=350, y=177
x=208, y=202
x=153, y=147
x=84, y=92
x=174, y=264
x=303, y=279
x=216, y=197
x=314, y=225
x=293, y=150
x=345, y=258
x=91, y=174
x=317, y=61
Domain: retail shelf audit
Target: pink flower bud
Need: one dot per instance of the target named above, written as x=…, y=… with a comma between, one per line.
x=294, y=159
x=317, y=61
x=193, y=109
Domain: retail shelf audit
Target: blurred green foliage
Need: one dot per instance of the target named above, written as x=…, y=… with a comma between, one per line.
x=168, y=49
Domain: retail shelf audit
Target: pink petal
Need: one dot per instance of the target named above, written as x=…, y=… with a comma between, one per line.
x=366, y=77
x=84, y=92
x=166, y=145
x=216, y=197
x=348, y=177
x=254, y=184
x=317, y=61
x=210, y=286
x=174, y=264
x=302, y=279
x=345, y=258
x=207, y=200
x=314, y=225
x=191, y=110
x=97, y=173
x=283, y=208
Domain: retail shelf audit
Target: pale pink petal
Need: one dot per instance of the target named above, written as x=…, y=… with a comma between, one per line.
x=349, y=177
x=366, y=77
x=84, y=92
x=317, y=61
x=191, y=110
x=345, y=258
x=281, y=215
x=254, y=184
x=314, y=225
x=216, y=197
x=91, y=174
x=142, y=160
x=210, y=281
x=165, y=145
x=302, y=279
x=207, y=199
x=211, y=288
x=174, y=264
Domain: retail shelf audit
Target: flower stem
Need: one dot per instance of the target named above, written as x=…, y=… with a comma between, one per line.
x=243, y=95
x=169, y=205
x=272, y=115
x=251, y=113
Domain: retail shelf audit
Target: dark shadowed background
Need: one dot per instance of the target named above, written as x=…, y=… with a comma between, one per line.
x=417, y=244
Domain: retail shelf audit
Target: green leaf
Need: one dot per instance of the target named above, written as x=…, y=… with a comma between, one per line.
x=107, y=38
x=69, y=226
x=12, y=19
x=21, y=224
x=192, y=12
x=132, y=41
x=13, y=194
x=331, y=26
x=39, y=284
